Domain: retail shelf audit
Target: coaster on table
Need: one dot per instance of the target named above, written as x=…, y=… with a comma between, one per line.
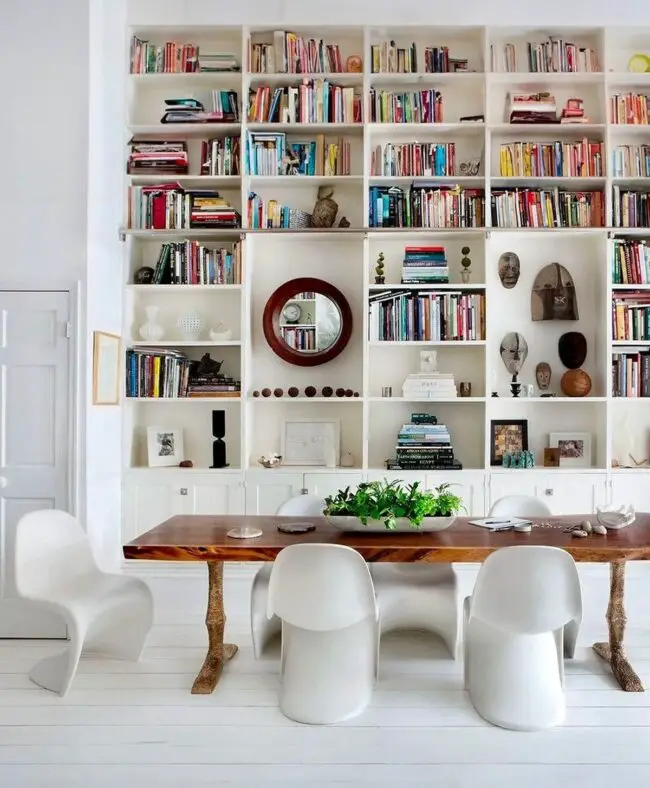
x=244, y=532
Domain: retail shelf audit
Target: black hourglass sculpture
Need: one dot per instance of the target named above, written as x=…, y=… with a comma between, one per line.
x=219, y=433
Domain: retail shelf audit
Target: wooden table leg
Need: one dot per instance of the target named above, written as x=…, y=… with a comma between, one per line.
x=614, y=651
x=215, y=621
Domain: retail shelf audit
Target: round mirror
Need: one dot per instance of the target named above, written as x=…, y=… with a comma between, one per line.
x=307, y=322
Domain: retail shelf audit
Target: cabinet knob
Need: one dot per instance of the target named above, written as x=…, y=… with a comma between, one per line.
x=548, y=491
x=183, y=490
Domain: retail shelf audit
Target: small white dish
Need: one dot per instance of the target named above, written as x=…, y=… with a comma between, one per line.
x=615, y=519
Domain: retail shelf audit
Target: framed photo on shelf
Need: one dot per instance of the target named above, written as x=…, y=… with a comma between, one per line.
x=507, y=435
x=575, y=448
x=106, y=368
x=164, y=446
x=311, y=442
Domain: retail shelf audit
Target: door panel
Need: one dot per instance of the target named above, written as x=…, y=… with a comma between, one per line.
x=468, y=486
x=266, y=491
x=149, y=503
x=214, y=495
x=325, y=484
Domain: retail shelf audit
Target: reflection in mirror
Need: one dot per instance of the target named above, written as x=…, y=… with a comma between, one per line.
x=310, y=322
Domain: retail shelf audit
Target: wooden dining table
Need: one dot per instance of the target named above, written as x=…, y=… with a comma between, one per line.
x=204, y=538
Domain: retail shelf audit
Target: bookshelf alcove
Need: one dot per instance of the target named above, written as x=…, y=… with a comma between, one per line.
x=618, y=425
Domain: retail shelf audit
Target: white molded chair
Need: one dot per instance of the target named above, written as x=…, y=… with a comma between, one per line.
x=521, y=620
x=519, y=506
x=264, y=629
x=55, y=567
x=324, y=596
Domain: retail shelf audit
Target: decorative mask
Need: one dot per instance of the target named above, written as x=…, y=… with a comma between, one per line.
x=509, y=269
x=572, y=349
x=554, y=294
x=514, y=352
x=543, y=375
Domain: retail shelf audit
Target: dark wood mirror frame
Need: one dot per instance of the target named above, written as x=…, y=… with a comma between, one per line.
x=273, y=310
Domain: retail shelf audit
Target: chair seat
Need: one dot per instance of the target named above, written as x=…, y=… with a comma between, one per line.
x=94, y=594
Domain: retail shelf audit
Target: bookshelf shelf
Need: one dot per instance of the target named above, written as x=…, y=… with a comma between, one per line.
x=407, y=180
x=456, y=343
x=453, y=80
x=543, y=182
x=287, y=400
x=185, y=130
x=172, y=343
x=183, y=400
x=344, y=78
x=431, y=401
x=208, y=79
x=304, y=180
x=175, y=289
x=197, y=181
x=545, y=78
x=450, y=286
x=305, y=129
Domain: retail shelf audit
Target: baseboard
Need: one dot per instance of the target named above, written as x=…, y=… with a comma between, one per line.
x=186, y=570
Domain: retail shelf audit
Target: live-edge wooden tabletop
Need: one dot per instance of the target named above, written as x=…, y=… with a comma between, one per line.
x=203, y=538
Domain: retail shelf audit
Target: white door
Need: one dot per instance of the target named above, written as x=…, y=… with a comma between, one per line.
x=214, y=493
x=267, y=490
x=34, y=435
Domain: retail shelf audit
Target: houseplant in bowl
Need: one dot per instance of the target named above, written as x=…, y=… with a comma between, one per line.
x=392, y=506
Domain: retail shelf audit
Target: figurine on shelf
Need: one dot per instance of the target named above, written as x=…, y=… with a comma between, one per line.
x=344, y=222
x=574, y=112
x=379, y=269
x=325, y=209
x=466, y=263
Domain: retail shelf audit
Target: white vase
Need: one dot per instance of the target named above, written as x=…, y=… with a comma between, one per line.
x=151, y=331
x=190, y=324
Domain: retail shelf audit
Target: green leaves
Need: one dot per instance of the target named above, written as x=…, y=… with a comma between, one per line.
x=386, y=501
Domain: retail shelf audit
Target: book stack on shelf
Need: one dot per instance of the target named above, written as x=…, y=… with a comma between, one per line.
x=272, y=215
x=220, y=156
x=416, y=159
x=169, y=58
x=630, y=208
x=582, y=159
x=531, y=108
x=553, y=207
x=426, y=205
x=630, y=262
x=631, y=161
x=205, y=379
x=269, y=153
x=315, y=101
x=293, y=54
x=388, y=58
x=156, y=373
x=554, y=55
x=423, y=444
x=225, y=109
x=168, y=206
x=218, y=62
x=425, y=265
x=407, y=316
x=631, y=316
x=406, y=106
x=628, y=109
x=429, y=385
x=153, y=157
x=191, y=263
x=631, y=374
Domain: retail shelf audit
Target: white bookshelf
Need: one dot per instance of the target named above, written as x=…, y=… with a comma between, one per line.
x=346, y=257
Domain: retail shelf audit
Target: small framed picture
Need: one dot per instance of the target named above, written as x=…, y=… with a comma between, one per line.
x=575, y=448
x=311, y=442
x=508, y=435
x=552, y=458
x=106, y=368
x=164, y=446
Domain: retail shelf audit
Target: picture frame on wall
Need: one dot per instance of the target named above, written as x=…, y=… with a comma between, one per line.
x=106, y=368
x=311, y=442
x=164, y=447
x=507, y=435
x=574, y=448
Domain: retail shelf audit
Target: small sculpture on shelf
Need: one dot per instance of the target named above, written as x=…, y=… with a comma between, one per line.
x=514, y=351
x=354, y=64
x=340, y=392
x=266, y=392
x=151, y=330
x=144, y=275
x=519, y=459
x=379, y=269
x=572, y=349
x=270, y=460
x=325, y=209
x=344, y=222
x=543, y=378
x=220, y=333
x=293, y=391
x=310, y=391
x=466, y=263
x=278, y=392
x=327, y=391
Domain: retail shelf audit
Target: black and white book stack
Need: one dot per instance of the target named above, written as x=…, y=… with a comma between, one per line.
x=423, y=444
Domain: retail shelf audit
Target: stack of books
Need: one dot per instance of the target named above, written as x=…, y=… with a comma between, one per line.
x=631, y=374
x=426, y=205
x=532, y=108
x=225, y=109
x=425, y=265
x=406, y=106
x=547, y=208
x=168, y=206
x=270, y=214
x=581, y=159
x=220, y=156
x=154, y=372
x=315, y=101
x=211, y=386
x=222, y=61
x=423, y=444
x=557, y=55
x=432, y=159
x=191, y=263
x=630, y=208
x=293, y=54
x=629, y=109
x=631, y=316
x=158, y=156
x=630, y=262
x=574, y=112
x=429, y=385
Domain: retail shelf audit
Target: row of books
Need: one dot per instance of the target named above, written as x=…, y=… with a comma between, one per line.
x=192, y=263
x=293, y=54
x=270, y=214
x=630, y=262
x=220, y=156
x=405, y=106
x=553, y=55
x=417, y=159
x=174, y=58
x=631, y=316
x=168, y=206
x=157, y=373
x=426, y=205
x=388, y=58
x=631, y=374
x=426, y=316
x=157, y=156
x=271, y=154
x=630, y=209
x=425, y=265
x=581, y=159
x=300, y=338
x=547, y=208
x=316, y=101
x=629, y=109
x=631, y=161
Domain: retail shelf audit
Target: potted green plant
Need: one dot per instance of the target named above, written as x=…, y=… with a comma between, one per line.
x=379, y=269
x=393, y=506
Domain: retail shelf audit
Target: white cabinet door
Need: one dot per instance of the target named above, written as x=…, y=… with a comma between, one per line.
x=325, y=484
x=213, y=493
x=149, y=502
x=266, y=490
x=631, y=488
x=466, y=484
x=564, y=493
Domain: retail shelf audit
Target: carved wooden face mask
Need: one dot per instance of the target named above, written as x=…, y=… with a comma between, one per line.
x=509, y=269
x=554, y=294
x=513, y=351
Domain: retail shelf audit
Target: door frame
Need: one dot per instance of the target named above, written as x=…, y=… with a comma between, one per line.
x=76, y=378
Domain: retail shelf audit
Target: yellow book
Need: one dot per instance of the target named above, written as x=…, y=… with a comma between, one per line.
x=156, y=376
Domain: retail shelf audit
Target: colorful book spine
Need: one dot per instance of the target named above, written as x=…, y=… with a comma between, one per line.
x=426, y=205
x=431, y=159
x=630, y=262
x=547, y=208
x=315, y=101
x=630, y=208
x=410, y=106
x=552, y=159
x=628, y=109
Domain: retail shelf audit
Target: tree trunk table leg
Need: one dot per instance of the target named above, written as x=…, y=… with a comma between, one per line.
x=614, y=651
x=215, y=620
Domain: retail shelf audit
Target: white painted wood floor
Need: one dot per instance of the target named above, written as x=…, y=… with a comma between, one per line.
x=136, y=725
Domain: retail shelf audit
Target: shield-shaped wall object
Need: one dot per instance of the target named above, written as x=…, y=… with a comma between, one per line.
x=513, y=351
x=554, y=294
x=509, y=269
x=572, y=349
